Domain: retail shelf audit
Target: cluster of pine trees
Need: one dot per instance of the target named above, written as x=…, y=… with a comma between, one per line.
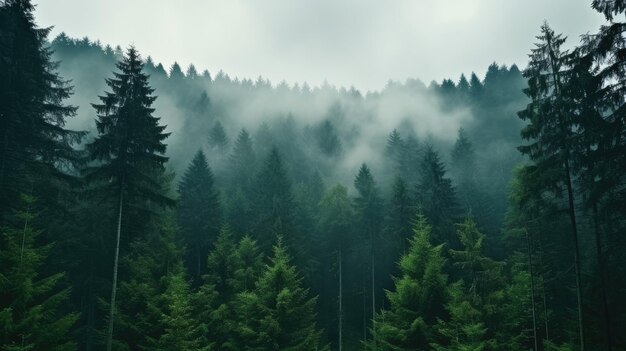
x=104, y=247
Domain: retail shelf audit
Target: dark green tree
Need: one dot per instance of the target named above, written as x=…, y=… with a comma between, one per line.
x=31, y=306
x=552, y=123
x=128, y=151
x=199, y=213
x=35, y=146
x=436, y=198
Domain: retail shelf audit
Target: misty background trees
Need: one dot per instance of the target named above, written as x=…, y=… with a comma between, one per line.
x=208, y=212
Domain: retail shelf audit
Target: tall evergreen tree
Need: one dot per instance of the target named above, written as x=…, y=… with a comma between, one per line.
x=551, y=130
x=274, y=205
x=34, y=143
x=128, y=151
x=30, y=305
x=400, y=215
x=418, y=297
x=199, y=213
x=436, y=197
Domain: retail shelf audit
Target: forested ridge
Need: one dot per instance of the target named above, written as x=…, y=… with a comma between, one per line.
x=151, y=209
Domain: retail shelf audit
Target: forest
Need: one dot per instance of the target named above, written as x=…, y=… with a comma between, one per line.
x=153, y=208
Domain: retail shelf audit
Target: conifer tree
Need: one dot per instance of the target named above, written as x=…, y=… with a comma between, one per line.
x=327, y=139
x=436, y=198
x=33, y=137
x=217, y=136
x=400, y=215
x=278, y=314
x=464, y=331
x=552, y=123
x=179, y=329
x=199, y=213
x=128, y=151
x=274, y=205
x=30, y=305
x=418, y=297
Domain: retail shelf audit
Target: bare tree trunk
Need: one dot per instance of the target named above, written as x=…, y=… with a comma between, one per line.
x=115, y=264
x=602, y=271
x=543, y=292
x=532, y=289
x=340, y=301
x=572, y=214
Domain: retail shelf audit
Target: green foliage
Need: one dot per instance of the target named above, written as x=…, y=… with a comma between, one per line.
x=436, y=197
x=31, y=306
x=418, y=298
x=32, y=109
x=199, y=213
x=129, y=147
x=278, y=314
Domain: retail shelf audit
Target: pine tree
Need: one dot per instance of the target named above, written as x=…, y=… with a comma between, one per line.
x=436, y=198
x=199, y=213
x=418, y=297
x=180, y=330
x=483, y=284
x=551, y=130
x=217, y=136
x=327, y=139
x=400, y=215
x=30, y=305
x=278, y=314
x=241, y=170
x=128, y=150
x=274, y=205
x=465, y=330
x=33, y=137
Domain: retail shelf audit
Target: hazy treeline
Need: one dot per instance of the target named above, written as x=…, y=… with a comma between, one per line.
x=194, y=211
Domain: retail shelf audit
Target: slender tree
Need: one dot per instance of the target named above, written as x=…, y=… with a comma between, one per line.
x=551, y=128
x=128, y=151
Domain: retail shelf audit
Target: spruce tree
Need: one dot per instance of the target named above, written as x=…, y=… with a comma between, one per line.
x=179, y=329
x=30, y=305
x=551, y=130
x=199, y=213
x=217, y=136
x=33, y=137
x=418, y=297
x=128, y=151
x=274, y=206
x=278, y=314
x=400, y=214
x=436, y=198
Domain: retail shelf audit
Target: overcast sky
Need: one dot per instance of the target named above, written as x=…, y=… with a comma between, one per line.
x=361, y=43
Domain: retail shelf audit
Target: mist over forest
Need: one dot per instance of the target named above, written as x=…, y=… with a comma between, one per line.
x=145, y=207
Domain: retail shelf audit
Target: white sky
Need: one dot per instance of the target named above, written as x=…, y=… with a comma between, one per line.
x=347, y=42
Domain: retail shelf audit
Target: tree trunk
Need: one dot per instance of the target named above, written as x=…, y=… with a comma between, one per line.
x=602, y=271
x=340, y=302
x=115, y=264
x=572, y=214
x=373, y=293
x=532, y=289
